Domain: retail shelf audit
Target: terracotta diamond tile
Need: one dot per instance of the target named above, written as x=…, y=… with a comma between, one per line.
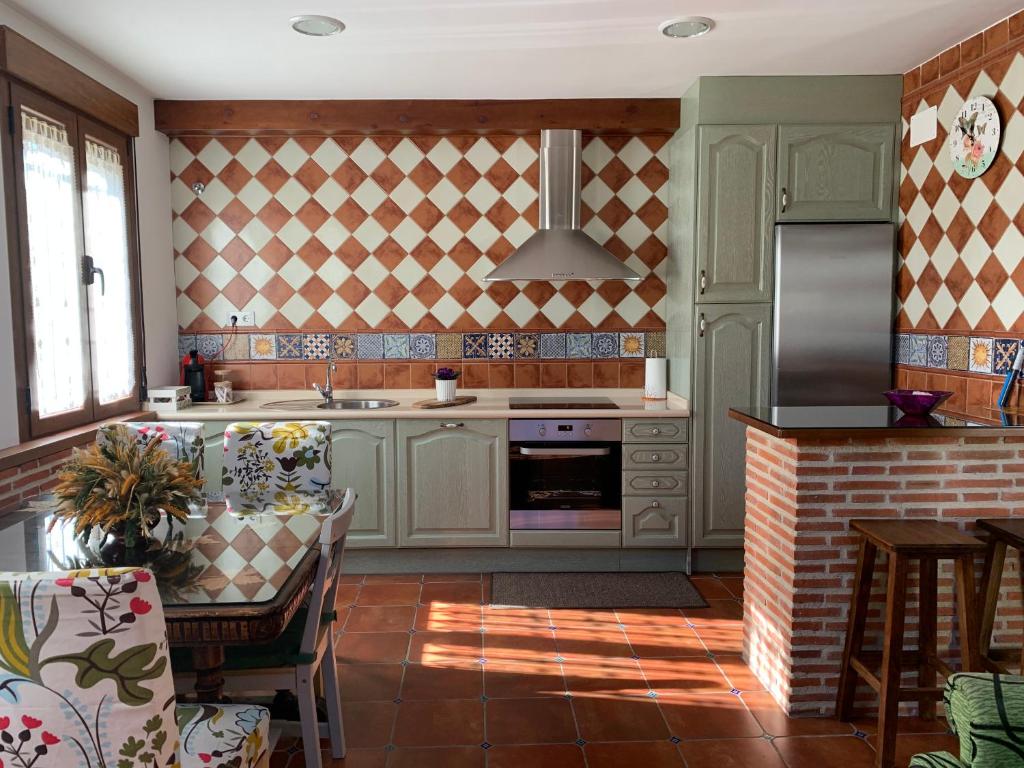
x=234, y=176
x=236, y=215
x=993, y=224
x=463, y=175
x=312, y=214
x=201, y=291
x=464, y=215
x=198, y=215
x=349, y=176
x=311, y=175
x=387, y=175
x=275, y=254
x=351, y=215
x=237, y=253
x=239, y=292
x=273, y=215
x=194, y=173
x=388, y=215
x=199, y=254
x=272, y=176
x=615, y=174
x=426, y=215
x=425, y=175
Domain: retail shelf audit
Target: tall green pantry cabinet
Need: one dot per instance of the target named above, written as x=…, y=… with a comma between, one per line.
x=752, y=152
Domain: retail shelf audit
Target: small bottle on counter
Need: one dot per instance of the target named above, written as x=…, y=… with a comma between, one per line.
x=195, y=377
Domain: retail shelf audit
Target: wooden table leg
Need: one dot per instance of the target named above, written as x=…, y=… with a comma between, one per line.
x=967, y=606
x=892, y=651
x=208, y=661
x=859, y=600
x=991, y=577
x=928, y=596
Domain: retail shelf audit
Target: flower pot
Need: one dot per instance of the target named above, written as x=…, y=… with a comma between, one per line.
x=445, y=390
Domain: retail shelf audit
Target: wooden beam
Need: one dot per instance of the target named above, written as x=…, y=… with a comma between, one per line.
x=416, y=117
x=33, y=65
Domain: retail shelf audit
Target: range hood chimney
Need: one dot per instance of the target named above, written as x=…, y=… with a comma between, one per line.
x=559, y=250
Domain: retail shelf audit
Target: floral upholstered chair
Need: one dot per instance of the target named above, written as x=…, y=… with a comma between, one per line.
x=279, y=458
x=85, y=680
x=183, y=440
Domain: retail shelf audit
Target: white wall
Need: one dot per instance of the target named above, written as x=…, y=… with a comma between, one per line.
x=154, y=224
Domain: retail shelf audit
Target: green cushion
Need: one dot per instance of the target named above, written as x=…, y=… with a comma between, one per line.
x=986, y=713
x=935, y=760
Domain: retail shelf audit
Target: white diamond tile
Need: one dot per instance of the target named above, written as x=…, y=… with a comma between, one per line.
x=214, y=157
x=257, y=272
x=181, y=196
x=483, y=234
x=518, y=232
x=261, y=309
x=291, y=156
x=370, y=234
x=446, y=272
x=973, y=305
x=520, y=194
x=520, y=155
x=483, y=309
x=330, y=195
x=368, y=156
x=942, y=305
x=1009, y=250
x=558, y=309
x=915, y=305
x=408, y=234
x=182, y=234
x=944, y=257
x=186, y=310
x=409, y=272
x=332, y=234
x=254, y=195
x=444, y=156
x=482, y=194
x=916, y=260
x=920, y=168
x=597, y=154
x=410, y=310
x=597, y=194
x=946, y=207
x=447, y=310
x=218, y=234
x=521, y=310
x=918, y=214
x=635, y=155
x=445, y=234
x=294, y=234
x=632, y=308
x=334, y=272
x=407, y=195
x=1012, y=142
x=480, y=268
x=633, y=232
x=482, y=155
x=297, y=310
x=329, y=155
x=1008, y=303
x=371, y=272
x=295, y=272
x=976, y=202
x=369, y=195
x=444, y=195
x=215, y=196
x=219, y=308
x=255, y=234
x=975, y=253
x=292, y=195
x=180, y=156
x=406, y=155
x=184, y=271
x=372, y=310
x=252, y=156
x=634, y=193
x=595, y=309
x=335, y=310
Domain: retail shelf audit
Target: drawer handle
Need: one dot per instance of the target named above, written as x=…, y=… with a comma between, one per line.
x=452, y=424
x=655, y=457
x=655, y=483
x=656, y=504
x=655, y=431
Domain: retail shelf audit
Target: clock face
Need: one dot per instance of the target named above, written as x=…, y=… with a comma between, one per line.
x=974, y=137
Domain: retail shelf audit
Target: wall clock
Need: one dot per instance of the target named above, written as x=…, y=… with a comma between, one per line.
x=974, y=137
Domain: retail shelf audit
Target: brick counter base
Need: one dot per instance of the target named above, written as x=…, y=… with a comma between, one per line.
x=800, y=555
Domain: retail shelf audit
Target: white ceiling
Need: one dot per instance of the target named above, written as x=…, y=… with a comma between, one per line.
x=499, y=48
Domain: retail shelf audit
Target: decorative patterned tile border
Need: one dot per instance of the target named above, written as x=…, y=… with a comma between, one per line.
x=956, y=353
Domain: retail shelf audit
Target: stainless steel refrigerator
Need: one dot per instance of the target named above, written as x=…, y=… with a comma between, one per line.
x=833, y=313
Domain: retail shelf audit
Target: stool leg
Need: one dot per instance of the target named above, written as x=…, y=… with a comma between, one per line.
x=928, y=597
x=991, y=576
x=892, y=650
x=1020, y=573
x=855, y=622
x=966, y=599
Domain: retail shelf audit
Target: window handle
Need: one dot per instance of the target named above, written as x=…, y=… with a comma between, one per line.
x=89, y=272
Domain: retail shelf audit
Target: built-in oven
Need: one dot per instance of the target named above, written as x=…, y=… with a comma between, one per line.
x=565, y=474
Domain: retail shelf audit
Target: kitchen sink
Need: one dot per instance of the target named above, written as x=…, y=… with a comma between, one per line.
x=341, y=404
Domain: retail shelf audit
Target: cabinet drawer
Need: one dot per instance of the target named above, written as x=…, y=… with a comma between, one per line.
x=654, y=521
x=646, y=456
x=654, y=430
x=644, y=483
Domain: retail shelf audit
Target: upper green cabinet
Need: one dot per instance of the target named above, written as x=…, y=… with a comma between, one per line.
x=836, y=172
x=735, y=213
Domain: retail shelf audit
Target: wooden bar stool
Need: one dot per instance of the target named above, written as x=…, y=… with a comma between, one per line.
x=928, y=541
x=1002, y=533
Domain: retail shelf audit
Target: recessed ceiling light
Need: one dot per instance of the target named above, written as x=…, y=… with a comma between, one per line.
x=316, y=26
x=688, y=26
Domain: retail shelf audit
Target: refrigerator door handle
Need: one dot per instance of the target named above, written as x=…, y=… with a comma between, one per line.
x=701, y=326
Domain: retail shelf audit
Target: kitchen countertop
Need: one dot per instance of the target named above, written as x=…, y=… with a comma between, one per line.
x=490, y=404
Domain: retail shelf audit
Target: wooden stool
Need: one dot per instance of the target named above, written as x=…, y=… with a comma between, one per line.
x=929, y=541
x=1002, y=533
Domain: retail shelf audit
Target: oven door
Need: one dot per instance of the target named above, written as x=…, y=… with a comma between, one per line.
x=565, y=486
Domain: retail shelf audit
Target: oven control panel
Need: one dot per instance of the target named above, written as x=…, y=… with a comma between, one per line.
x=564, y=430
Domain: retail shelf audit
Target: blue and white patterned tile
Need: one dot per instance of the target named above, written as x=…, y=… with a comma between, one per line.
x=903, y=349
x=552, y=346
x=631, y=344
x=396, y=346
x=980, y=356
x=938, y=349
x=918, y=350
x=210, y=345
x=369, y=346
x=344, y=346
x=262, y=346
x=316, y=346
x=474, y=346
x=500, y=346
x=527, y=346
x=1003, y=353
x=186, y=343
x=422, y=346
x=606, y=345
x=578, y=346
x=289, y=346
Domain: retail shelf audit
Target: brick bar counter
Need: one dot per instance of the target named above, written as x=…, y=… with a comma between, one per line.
x=808, y=472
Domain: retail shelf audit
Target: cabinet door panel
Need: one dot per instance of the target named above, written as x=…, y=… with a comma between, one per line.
x=733, y=363
x=735, y=213
x=836, y=172
x=363, y=458
x=213, y=454
x=652, y=521
x=453, y=483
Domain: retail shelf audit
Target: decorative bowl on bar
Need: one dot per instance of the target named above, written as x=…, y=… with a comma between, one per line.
x=917, y=402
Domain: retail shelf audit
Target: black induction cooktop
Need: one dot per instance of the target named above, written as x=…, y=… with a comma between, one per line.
x=561, y=403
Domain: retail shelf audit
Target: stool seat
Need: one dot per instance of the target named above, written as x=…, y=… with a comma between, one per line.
x=917, y=537
x=1009, y=529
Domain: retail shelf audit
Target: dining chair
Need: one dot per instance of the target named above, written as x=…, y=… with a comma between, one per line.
x=304, y=651
x=85, y=680
x=183, y=440
x=277, y=457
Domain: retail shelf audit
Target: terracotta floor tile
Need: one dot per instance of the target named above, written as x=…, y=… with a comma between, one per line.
x=728, y=613
x=372, y=647
x=502, y=618
x=664, y=641
x=530, y=721
x=826, y=752
x=389, y=594
x=777, y=723
x=429, y=578
x=907, y=725
x=649, y=754
x=601, y=719
x=351, y=578
x=535, y=756
x=369, y=682
x=393, y=578
x=451, y=592
x=722, y=637
x=447, y=618
x=734, y=584
x=711, y=588
x=708, y=716
x=354, y=758
x=738, y=673
x=439, y=723
x=451, y=681
x=585, y=619
x=346, y=594
x=731, y=753
x=581, y=644
x=392, y=618
x=430, y=647
x=438, y=757
x=519, y=645
x=909, y=745
x=368, y=723
x=605, y=677
x=516, y=680
x=684, y=675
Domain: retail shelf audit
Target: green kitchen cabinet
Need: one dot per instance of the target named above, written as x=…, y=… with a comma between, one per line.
x=452, y=483
x=733, y=368
x=363, y=458
x=213, y=454
x=654, y=521
x=836, y=172
x=735, y=213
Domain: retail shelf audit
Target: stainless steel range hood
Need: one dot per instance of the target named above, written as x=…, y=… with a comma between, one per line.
x=559, y=250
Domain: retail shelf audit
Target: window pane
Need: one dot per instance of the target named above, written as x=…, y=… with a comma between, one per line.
x=106, y=241
x=55, y=284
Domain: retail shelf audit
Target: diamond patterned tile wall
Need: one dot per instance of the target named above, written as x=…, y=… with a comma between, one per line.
x=394, y=234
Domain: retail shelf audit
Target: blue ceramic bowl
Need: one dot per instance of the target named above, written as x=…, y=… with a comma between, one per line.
x=917, y=402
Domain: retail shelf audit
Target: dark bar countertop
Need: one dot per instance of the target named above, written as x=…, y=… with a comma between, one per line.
x=820, y=422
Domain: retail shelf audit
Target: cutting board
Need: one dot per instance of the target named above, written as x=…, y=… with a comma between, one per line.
x=462, y=400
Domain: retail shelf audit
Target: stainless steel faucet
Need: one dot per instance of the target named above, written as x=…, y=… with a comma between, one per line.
x=327, y=391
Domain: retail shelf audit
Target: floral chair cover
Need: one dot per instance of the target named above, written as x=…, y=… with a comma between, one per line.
x=181, y=439
x=277, y=459
x=85, y=680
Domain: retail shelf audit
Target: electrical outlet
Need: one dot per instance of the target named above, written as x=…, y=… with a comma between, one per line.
x=244, y=319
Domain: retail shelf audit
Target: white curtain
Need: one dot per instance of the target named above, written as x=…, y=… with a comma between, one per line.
x=54, y=267
x=106, y=241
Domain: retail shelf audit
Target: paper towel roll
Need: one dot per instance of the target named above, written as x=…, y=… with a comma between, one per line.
x=654, y=379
